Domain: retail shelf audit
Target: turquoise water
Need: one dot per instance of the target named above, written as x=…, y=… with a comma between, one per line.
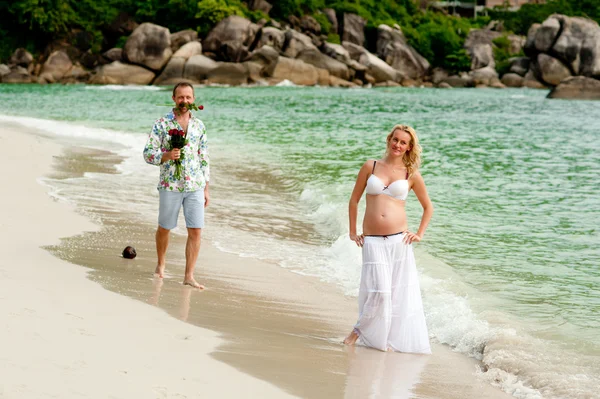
x=513, y=176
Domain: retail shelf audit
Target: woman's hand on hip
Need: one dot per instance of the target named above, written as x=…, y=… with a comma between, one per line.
x=409, y=237
x=359, y=239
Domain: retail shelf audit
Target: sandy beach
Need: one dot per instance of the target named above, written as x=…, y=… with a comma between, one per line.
x=80, y=321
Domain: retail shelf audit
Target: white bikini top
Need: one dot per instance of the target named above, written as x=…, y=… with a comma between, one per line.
x=397, y=189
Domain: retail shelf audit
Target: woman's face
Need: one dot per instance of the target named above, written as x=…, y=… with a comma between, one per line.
x=399, y=143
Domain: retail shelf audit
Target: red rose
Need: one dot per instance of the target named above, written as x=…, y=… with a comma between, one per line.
x=201, y=107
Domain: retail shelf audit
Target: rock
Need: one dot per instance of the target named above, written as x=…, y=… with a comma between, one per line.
x=484, y=75
x=21, y=57
x=388, y=83
x=188, y=50
x=577, y=87
x=353, y=29
x=396, y=52
x=578, y=44
x=320, y=60
x=519, y=65
x=77, y=74
x=266, y=56
x=272, y=37
x=479, y=46
x=197, y=68
x=409, y=83
x=376, y=67
x=497, y=84
x=323, y=79
x=55, y=67
x=334, y=81
x=114, y=54
x=129, y=252
x=295, y=43
x=427, y=84
x=529, y=47
x=444, y=85
x=260, y=5
x=4, y=70
x=122, y=25
x=181, y=38
x=229, y=73
x=122, y=74
x=512, y=80
x=516, y=44
x=330, y=14
x=235, y=32
x=459, y=81
x=337, y=52
x=172, y=73
x=296, y=71
x=546, y=35
x=309, y=24
x=438, y=75
x=17, y=74
x=530, y=81
x=149, y=45
x=254, y=71
x=552, y=71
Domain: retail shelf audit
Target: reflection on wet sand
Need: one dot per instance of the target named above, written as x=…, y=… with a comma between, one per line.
x=375, y=374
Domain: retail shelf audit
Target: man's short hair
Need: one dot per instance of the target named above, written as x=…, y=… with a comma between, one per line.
x=182, y=84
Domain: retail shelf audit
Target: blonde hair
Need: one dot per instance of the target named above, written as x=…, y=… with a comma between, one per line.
x=412, y=156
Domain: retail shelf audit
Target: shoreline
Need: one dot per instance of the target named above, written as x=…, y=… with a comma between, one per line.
x=274, y=325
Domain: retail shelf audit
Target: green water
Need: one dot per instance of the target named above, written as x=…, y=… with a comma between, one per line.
x=513, y=178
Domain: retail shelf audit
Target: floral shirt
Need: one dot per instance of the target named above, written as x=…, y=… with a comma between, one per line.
x=195, y=164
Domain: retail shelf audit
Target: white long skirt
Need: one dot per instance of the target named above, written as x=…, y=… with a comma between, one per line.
x=390, y=309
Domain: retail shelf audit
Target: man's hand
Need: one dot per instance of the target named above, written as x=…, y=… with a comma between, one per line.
x=206, y=197
x=171, y=155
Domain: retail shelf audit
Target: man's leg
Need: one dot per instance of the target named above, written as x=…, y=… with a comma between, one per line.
x=192, y=249
x=162, y=243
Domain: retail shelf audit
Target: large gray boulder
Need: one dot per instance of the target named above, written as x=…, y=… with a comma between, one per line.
x=551, y=70
x=149, y=46
x=55, y=67
x=519, y=65
x=231, y=38
x=484, y=76
x=578, y=44
x=114, y=54
x=393, y=48
x=295, y=43
x=197, y=68
x=273, y=37
x=530, y=81
x=4, y=70
x=479, y=46
x=546, y=35
x=179, y=39
x=376, y=67
x=310, y=25
x=17, y=74
x=577, y=87
x=21, y=57
x=118, y=73
x=529, y=47
x=316, y=58
x=229, y=73
x=353, y=29
x=512, y=80
x=77, y=74
x=267, y=57
x=188, y=50
x=296, y=71
x=172, y=73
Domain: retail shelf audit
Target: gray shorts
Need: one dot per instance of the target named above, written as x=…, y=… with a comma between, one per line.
x=170, y=204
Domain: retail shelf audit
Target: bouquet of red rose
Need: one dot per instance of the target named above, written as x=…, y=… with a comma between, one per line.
x=178, y=140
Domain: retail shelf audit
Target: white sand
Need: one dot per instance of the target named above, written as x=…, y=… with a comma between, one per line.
x=63, y=335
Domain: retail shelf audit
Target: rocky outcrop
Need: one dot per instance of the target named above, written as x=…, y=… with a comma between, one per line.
x=296, y=71
x=21, y=57
x=334, y=67
x=377, y=68
x=260, y=5
x=310, y=25
x=114, y=54
x=231, y=39
x=479, y=46
x=188, y=50
x=551, y=70
x=577, y=87
x=118, y=73
x=484, y=76
x=271, y=36
x=17, y=74
x=267, y=57
x=173, y=72
x=55, y=67
x=295, y=43
x=149, y=46
x=519, y=65
x=512, y=80
x=393, y=48
x=179, y=39
x=229, y=73
x=353, y=29
x=197, y=68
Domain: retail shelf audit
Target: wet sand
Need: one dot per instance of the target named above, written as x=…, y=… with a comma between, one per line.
x=274, y=327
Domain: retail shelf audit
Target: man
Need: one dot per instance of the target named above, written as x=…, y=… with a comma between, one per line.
x=191, y=189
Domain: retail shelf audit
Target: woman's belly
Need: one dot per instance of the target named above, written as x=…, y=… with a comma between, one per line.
x=384, y=215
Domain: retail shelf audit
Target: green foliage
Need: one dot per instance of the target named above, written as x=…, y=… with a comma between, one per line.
x=121, y=42
x=324, y=22
x=334, y=38
x=502, y=54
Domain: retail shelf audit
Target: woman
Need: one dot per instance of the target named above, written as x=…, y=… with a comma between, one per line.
x=389, y=302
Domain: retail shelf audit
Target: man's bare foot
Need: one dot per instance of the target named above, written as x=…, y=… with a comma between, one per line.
x=351, y=339
x=193, y=283
x=160, y=271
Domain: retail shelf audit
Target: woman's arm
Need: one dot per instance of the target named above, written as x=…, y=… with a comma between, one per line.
x=359, y=189
x=420, y=190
